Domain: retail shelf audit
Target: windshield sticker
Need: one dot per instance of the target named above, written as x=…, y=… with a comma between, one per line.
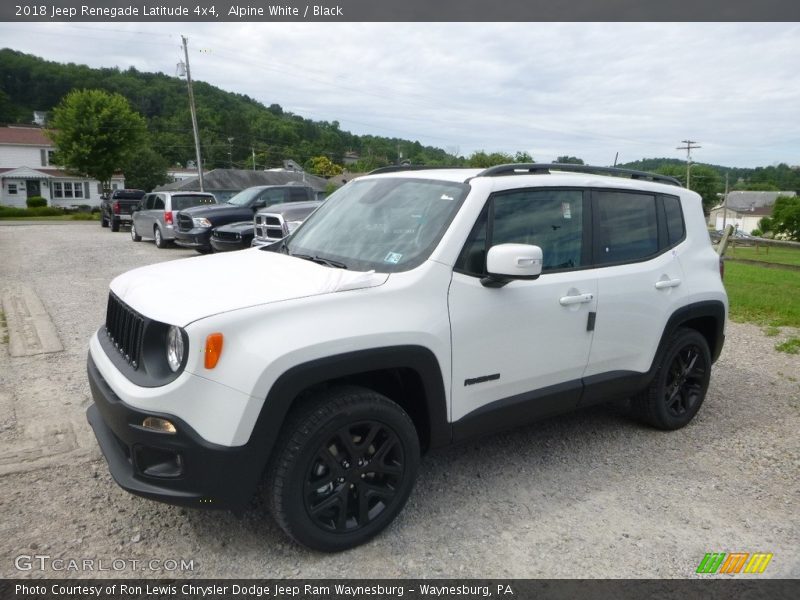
x=446, y=197
x=392, y=258
x=566, y=211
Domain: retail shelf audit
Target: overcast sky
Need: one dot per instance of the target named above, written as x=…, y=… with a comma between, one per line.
x=588, y=90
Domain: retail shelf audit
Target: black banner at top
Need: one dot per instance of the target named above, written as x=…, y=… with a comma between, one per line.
x=398, y=10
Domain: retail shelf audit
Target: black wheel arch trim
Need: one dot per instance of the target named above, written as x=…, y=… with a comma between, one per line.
x=705, y=309
x=293, y=382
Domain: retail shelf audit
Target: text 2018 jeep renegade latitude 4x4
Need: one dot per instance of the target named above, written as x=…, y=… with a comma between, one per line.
x=412, y=310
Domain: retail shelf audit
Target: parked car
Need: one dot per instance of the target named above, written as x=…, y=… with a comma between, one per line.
x=276, y=222
x=414, y=309
x=234, y=236
x=116, y=208
x=155, y=215
x=196, y=224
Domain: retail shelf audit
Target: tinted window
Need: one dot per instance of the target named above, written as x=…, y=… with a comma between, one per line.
x=550, y=219
x=159, y=203
x=675, y=228
x=297, y=194
x=188, y=200
x=148, y=201
x=627, y=228
x=273, y=196
x=128, y=194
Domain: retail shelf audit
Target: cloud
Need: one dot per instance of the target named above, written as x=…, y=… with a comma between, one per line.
x=586, y=89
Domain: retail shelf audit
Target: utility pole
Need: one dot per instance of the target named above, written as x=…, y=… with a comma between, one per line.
x=253, y=151
x=230, y=152
x=194, y=114
x=688, y=147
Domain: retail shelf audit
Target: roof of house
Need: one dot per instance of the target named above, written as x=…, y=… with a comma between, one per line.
x=24, y=136
x=240, y=179
x=747, y=200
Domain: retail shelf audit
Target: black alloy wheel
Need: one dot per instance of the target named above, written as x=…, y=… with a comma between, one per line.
x=343, y=468
x=680, y=383
x=354, y=476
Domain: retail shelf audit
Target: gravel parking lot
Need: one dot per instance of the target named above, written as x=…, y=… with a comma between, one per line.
x=585, y=495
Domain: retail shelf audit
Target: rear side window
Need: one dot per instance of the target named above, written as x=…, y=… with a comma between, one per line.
x=187, y=201
x=297, y=194
x=626, y=227
x=675, y=226
x=159, y=203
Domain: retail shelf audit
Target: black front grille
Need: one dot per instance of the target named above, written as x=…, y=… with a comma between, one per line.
x=185, y=222
x=125, y=329
x=228, y=236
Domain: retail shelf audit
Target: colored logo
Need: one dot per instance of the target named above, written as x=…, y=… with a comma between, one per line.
x=734, y=562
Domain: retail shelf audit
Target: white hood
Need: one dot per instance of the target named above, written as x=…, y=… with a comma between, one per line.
x=181, y=291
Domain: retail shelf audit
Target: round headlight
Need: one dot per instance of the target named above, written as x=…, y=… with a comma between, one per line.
x=174, y=348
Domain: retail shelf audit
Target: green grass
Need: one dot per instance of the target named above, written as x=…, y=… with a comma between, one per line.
x=768, y=297
x=790, y=346
x=771, y=331
x=782, y=256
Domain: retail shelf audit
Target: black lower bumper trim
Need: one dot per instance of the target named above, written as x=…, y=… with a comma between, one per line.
x=201, y=474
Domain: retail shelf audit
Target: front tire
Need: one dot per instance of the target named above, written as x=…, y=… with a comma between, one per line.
x=679, y=387
x=135, y=236
x=343, y=469
x=103, y=221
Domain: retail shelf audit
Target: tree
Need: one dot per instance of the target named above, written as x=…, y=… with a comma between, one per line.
x=323, y=166
x=786, y=216
x=95, y=133
x=569, y=160
x=145, y=170
x=704, y=180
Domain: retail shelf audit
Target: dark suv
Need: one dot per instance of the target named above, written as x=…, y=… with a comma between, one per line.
x=196, y=224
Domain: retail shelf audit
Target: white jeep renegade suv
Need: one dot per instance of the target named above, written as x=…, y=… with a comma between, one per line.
x=416, y=308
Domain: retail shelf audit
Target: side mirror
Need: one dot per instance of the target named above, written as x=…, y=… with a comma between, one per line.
x=506, y=262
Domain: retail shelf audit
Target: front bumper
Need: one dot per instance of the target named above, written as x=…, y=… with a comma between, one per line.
x=194, y=238
x=226, y=245
x=180, y=468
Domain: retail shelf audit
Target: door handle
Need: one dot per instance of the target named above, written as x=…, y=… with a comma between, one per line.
x=667, y=283
x=577, y=299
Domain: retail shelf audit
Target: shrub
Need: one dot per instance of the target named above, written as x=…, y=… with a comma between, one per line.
x=757, y=233
x=39, y=211
x=36, y=202
x=84, y=216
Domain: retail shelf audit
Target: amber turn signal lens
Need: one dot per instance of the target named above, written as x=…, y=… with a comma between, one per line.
x=158, y=424
x=213, y=350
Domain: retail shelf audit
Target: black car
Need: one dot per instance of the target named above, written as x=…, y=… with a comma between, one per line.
x=235, y=236
x=196, y=224
x=116, y=208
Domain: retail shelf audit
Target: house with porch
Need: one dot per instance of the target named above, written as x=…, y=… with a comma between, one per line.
x=744, y=209
x=27, y=169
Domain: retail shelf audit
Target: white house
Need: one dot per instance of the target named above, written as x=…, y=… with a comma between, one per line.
x=26, y=170
x=744, y=209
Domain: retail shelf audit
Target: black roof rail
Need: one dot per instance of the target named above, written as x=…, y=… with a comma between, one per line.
x=396, y=168
x=546, y=168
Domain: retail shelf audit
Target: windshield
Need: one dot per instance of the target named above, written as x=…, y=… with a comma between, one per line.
x=386, y=225
x=245, y=197
x=181, y=202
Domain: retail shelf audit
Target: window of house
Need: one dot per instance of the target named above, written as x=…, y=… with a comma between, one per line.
x=67, y=189
x=12, y=188
x=50, y=155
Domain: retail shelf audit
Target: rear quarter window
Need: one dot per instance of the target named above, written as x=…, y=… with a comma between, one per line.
x=182, y=202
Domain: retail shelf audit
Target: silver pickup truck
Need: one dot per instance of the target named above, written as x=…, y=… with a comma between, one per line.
x=279, y=220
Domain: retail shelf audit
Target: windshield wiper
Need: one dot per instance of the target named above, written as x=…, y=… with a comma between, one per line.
x=321, y=261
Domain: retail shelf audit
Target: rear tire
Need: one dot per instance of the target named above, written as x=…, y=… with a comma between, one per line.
x=160, y=241
x=114, y=224
x=343, y=468
x=679, y=386
x=135, y=236
x=103, y=221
